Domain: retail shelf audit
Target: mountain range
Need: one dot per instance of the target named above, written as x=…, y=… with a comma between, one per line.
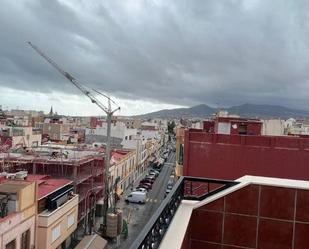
x=245, y=110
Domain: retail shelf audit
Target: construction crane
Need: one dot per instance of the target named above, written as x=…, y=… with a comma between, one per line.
x=109, y=113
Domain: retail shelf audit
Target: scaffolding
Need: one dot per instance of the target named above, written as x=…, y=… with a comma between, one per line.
x=84, y=166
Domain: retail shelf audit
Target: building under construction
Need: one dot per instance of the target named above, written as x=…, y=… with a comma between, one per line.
x=84, y=166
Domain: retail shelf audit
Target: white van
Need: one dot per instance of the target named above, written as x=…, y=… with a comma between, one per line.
x=137, y=197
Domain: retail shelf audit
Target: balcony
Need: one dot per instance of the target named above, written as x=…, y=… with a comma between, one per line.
x=46, y=218
x=186, y=188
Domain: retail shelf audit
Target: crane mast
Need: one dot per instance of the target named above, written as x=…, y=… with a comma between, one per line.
x=109, y=113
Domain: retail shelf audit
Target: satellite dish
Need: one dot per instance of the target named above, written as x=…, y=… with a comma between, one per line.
x=234, y=126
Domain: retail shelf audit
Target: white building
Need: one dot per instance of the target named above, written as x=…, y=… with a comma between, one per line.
x=137, y=143
x=118, y=130
x=297, y=127
x=123, y=167
x=273, y=127
x=23, y=136
x=22, y=120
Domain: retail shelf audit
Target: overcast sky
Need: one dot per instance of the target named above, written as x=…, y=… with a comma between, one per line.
x=154, y=54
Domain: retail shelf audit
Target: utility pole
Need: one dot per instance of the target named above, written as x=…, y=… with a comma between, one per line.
x=109, y=112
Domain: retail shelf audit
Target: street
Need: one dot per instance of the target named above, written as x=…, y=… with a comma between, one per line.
x=138, y=215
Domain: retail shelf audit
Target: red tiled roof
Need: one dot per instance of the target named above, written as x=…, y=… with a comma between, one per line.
x=119, y=154
x=33, y=178
x=47, y=185
x=51, y=185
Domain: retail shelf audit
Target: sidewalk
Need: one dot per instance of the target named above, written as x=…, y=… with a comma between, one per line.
x=127, y=211
x=129, y=189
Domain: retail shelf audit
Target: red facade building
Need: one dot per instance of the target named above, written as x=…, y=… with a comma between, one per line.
x=233, y=126
x=232, y=156
x=94, y=122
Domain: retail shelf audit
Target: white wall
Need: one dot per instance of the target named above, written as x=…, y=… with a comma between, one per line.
x=224, y=128
x=273, y=127
x=28, y=139
x=150, y=134
x=119, y=130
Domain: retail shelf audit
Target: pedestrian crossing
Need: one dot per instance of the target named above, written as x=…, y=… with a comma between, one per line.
x=152, y=200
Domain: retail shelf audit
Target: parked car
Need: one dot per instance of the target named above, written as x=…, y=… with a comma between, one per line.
x=158, y=168
x=154, y=172
x=136, y=197
x=145, y=185
x=140, y=189
x=150, y=177
x=169, y=188
x=171, y=180
x=148, y=180
x=145, y=180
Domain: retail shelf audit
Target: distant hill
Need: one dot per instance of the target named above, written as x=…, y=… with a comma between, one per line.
x=245, y=110
x=250, y=110
x=195, y=111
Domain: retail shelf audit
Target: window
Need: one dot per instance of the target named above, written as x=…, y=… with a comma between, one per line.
x=11, y=245
x=56, y=232
x=25, y=240
x=71, y=220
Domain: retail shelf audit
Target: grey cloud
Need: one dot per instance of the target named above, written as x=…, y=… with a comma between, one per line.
x=179, y=52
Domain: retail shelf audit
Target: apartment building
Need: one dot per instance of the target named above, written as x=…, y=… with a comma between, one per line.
x=123, y=167
x=83, y=166
x=57, y=131
x=229, y=156
x=17, y=214
x=22, y=136
x=137, y=143
x=273, y=127
x=36, y=211
x=57, y=212
x=119, y=132
x=22, y=120
x=131, y=123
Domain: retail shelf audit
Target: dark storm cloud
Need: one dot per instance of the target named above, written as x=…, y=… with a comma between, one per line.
x=179, y=52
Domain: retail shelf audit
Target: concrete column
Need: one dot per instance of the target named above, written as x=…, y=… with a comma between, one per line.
x=34, y=168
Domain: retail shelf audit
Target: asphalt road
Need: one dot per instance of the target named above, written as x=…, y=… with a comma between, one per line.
x=138, y=215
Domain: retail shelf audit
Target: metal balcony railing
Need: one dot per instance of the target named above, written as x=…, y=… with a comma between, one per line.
x=186, y=188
